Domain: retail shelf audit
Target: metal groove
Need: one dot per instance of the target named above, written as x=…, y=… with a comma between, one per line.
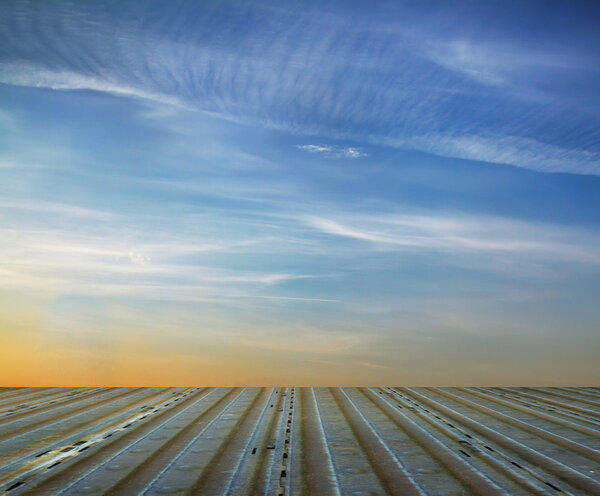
x=140, y=475
x=316, y=458
x=10, y=417
x=552, y=418
x=574, y=396
x=17, y=452
x=559, y=469
x=582, y=415
x=252, y=473
x=111, y=445
x=476, y=481
x=542, y=433
x=210, y=480
x=397, y=481
x=32, y=399
x=14, y=432
x=526, y=477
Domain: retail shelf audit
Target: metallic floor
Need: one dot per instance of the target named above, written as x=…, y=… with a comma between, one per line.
x=300, y=441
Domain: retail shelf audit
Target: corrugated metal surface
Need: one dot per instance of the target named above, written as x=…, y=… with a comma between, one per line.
x=300, y=441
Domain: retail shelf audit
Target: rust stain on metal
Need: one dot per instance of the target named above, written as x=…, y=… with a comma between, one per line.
x=300, y=441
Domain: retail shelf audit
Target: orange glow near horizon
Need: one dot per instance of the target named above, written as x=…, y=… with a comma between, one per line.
x=31, y=356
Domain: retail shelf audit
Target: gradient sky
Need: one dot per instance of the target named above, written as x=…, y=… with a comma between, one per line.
x=308, y=193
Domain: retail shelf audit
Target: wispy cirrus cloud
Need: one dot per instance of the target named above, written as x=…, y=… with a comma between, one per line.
x=55, y=208
x=54, y=262
x=503, y=63
x=463, y=234
x=511, y=150
x=27, y=74
x=333, y=151
x=328, y=76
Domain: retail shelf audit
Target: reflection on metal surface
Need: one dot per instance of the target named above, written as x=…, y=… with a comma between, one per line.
x=300, y=441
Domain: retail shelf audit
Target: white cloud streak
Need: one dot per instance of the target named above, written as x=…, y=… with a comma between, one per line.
x=85, y=271
x=501, y=63
x=23, y=74
x=511, y=150
x=99, y=255
x=464, y=234
x=333, y=151
x=60, y=209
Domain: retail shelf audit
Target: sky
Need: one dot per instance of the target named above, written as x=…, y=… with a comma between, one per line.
x=299, y=193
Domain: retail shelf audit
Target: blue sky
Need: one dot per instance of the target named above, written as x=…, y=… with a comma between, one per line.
x=315, y=193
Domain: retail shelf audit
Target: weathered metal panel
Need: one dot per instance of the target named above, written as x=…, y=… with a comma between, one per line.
x=300, y=441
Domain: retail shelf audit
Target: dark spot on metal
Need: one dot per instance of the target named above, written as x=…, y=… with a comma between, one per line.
x=553, y=486
x=15, y=485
